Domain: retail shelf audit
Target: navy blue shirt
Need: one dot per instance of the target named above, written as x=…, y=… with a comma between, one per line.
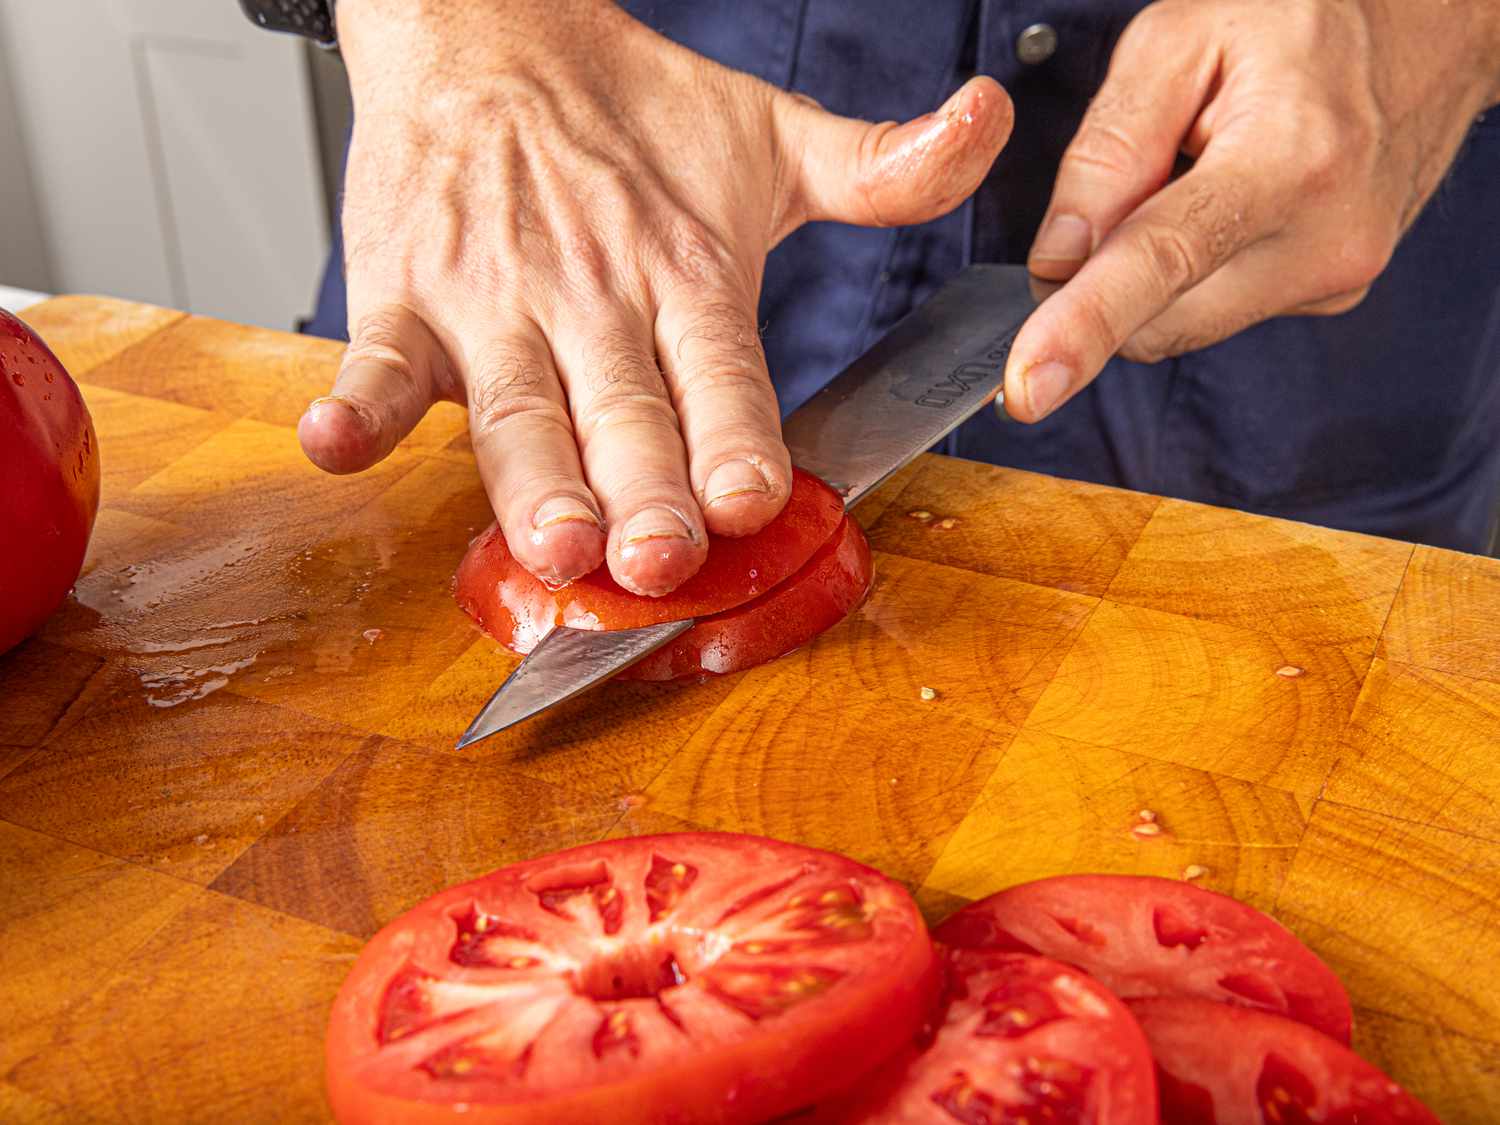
x=1384, y=420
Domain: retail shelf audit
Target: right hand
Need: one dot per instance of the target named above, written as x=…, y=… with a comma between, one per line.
x=560, y=219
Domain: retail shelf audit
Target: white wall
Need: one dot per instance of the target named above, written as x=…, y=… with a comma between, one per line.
x=173, y=155
x=23, y=251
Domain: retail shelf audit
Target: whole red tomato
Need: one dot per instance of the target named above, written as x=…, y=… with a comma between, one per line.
x=49, y=481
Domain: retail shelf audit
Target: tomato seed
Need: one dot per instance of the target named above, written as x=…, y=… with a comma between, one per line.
x=1194, y=871
x=928, y=694
x=1147, y=829
x=1146, y=815
x=920, y=515
x=1289, y=671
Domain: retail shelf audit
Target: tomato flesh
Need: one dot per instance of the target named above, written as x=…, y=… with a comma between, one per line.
x=1225, y=1065
x=518, y=609
x=1021, y=1039
x=695, y=977
x=817, y=597
x=1143, y=936
x=49, y=481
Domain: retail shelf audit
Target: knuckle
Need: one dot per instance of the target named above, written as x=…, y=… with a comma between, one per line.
x=1361, y=261
x=380, y=332
x=721, y=334
x=1154, y=346
x=491, y=414
x=690, y=254
x=383, y=346
x=1149, y=23
x=1216, y=220
x=1345, y=302
x=1145, y=348
x=586, y=259
x=1104, y=147
x=1093, y=331
x=501, y=369
x=1171, y=256
x=1322, y=149
x=1212, y=226
x=618, y=364
x=640, y=412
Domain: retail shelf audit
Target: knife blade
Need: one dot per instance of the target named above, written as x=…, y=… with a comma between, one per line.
x=935, y=369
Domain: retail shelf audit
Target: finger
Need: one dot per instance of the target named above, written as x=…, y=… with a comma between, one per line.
x=716, y=373
x=1169, y=245
x=1126, y=147
x=633, y=455
x=392, y=371
x=1264, y=281
x=890, y=174
x=528, y=458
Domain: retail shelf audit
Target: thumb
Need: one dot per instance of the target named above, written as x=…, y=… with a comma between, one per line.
x=851, y=171
x=393, y=370
x=1126, y=147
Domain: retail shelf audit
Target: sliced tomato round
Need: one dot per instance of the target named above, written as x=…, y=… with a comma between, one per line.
x=1222, y=1065
x=684, y=978
x=518, y=609
x=817, y=597
x=1144, y=936
x=1021, y=1039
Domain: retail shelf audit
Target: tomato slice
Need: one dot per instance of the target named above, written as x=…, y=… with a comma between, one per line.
x=1022, y=1039
x=817, y=597
x=1144, y=936
x=682, y=978
x=1222, y=1065
x=518, y=609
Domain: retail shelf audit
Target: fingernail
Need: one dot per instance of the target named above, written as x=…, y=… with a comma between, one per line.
x=1065, y=238
x=1045, y=386
x=320, y=408
x=563, y=509
x=655, y=523
x=734, y=478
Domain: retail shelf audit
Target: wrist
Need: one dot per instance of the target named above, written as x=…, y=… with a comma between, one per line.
x=393, y=42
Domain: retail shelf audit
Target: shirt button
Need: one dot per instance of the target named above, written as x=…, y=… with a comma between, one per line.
x=1036, y=44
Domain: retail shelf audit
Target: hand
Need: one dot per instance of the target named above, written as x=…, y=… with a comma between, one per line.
x=1316, y=131
x=560, y=218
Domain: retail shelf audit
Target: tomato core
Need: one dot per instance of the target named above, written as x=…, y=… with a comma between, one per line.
x=635, y=973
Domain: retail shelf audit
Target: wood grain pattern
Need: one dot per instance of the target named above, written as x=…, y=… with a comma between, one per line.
x=990, y=520
x=1294, y=579
x=70, y=917
x=229, y=757
x=218, y=1015
x=1424, y=746
x=1256, y=706
x=1445, y=615
x=1054, y=806
x=85, y=332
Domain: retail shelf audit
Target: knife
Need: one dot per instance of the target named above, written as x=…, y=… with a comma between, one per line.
x=937, y=367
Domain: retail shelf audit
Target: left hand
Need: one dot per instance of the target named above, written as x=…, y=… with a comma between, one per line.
x=1317, y=131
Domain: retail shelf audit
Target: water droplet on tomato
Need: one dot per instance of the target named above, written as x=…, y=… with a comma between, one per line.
x=18, y=378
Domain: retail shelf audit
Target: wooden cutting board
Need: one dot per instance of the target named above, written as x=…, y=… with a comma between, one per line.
x=228, y=759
